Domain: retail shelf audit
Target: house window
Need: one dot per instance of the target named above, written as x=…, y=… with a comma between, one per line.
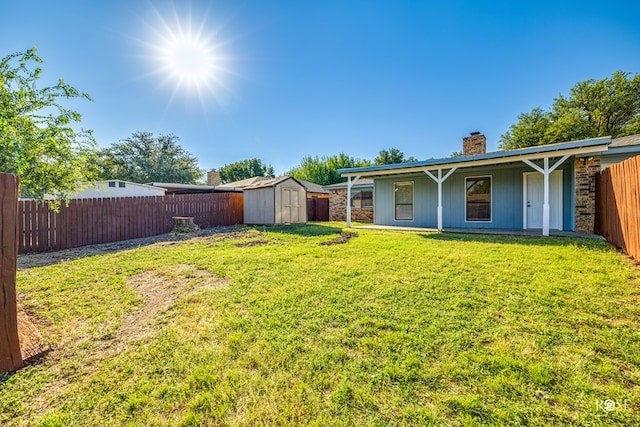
x=112, y=184
x=403, y=200
x=362, y=199
x=478, y=198
x=121, y=184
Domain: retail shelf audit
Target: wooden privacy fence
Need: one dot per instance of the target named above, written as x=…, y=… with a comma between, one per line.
x=318, y=209
x=92, y=221
x=10, y=355
x=618, y=205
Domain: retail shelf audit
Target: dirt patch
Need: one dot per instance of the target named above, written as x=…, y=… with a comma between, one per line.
x=32, y=343
x=252, y=243
x=159, y=292
x=344, y=237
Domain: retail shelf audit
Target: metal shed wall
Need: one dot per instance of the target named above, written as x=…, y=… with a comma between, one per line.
x=291, y=203
x=259, y=206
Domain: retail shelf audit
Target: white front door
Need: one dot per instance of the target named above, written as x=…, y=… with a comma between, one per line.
x=534, y=199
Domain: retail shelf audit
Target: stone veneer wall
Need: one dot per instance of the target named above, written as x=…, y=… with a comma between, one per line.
x=338, y=208
x=586, y=194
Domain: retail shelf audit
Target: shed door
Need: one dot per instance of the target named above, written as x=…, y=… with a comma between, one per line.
x=535, y=198
x=290, y=205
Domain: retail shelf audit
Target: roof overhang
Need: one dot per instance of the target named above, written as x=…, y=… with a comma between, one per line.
x=574, y=148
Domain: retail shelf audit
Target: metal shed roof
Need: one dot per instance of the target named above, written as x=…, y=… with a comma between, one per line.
x=271, y=182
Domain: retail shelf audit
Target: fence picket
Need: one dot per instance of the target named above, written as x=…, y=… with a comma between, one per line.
x=93, y=221
x=618, y=205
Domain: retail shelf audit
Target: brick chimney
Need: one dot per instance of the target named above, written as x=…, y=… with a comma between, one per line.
x=213, y=178
x=474, y=144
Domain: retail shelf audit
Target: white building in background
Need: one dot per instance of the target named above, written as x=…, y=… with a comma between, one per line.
x=116, y=188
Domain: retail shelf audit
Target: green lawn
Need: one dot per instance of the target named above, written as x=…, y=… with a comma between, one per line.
x=270, y=327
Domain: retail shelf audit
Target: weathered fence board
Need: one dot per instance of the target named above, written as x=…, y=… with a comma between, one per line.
x=318, y=209
x=618, y=205
x=92, y=221
x=10, y=355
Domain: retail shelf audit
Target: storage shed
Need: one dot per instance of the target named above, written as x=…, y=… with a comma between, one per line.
x=281, y=200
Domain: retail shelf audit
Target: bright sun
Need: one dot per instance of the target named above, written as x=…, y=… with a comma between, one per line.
x=188, y=60
x=185, y=56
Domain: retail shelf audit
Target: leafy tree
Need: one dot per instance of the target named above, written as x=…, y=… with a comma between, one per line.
x=530, y=130
x=324, y=170
x=244, y=169
x=37, y=140
x=392, y=156
x=145, y=158
x=607, y=107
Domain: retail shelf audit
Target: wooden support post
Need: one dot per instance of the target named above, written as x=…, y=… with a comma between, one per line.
x=10, y=356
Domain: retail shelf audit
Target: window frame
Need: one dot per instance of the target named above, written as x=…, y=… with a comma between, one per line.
x=475, y=221
x=354, y=196
x=413, y=199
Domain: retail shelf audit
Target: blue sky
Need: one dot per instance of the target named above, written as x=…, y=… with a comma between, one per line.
x=296, y=78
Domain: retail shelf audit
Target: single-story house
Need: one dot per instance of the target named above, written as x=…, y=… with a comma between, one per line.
x=547, y=187
x=115, y=188
x=361, y=200
x=281, y=200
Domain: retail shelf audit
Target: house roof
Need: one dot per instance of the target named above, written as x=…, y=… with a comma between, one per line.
x=246, y=182
x=106, y=181
x=362, y=182
x=177, y=188
x=530, y=153
x=312, y=187
x=270, y=182
x=625, y=141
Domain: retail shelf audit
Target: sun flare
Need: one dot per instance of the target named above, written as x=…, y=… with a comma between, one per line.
x=189, y=60
x=186, y=57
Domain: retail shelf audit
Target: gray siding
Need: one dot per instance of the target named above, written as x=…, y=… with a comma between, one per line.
x=259, y=206
x=506, y=198
x=425, y=201
x=295, y=211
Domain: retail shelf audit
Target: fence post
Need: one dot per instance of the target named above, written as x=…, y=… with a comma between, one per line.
x=10, y=356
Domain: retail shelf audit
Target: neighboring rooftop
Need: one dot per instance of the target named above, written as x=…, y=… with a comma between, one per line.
x=176, y=188
x=362, y=182
x=246, y=182
x=625, y=141
x=267, y=182
x=312, y=187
